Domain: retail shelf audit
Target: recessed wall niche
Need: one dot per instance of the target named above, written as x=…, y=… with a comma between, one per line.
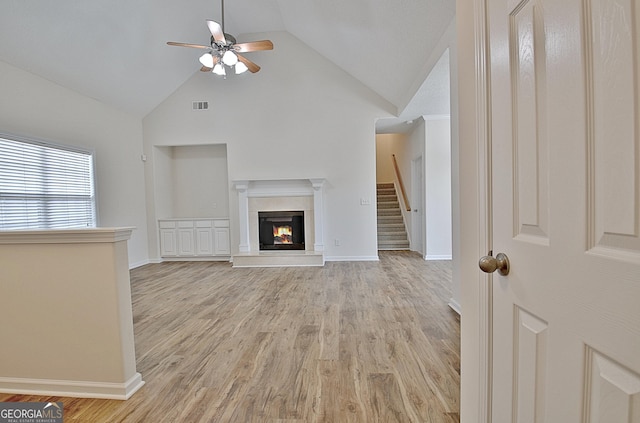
x=191, y=181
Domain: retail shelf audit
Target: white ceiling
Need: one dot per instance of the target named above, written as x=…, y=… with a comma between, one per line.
x=115, y=50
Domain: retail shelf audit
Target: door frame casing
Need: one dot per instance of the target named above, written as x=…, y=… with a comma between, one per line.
x=475, y=209
x=418, y=189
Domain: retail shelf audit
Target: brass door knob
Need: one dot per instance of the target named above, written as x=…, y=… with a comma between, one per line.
x=489, y=264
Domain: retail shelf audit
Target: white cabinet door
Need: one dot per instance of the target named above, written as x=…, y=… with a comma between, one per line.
x=222, y=241
x=204, y=242
x=204, y=237
x=186, y=242
x=168, y=245
x=194, y=238
x=186, y=245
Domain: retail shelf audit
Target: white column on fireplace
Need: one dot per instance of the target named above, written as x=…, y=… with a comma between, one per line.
x=318, y=210
x=243, y=208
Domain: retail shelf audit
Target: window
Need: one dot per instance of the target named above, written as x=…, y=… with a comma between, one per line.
x=45, y=186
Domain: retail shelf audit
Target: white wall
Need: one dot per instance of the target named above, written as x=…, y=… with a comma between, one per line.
x=386, y=145
x=299, y=117
x=438, y=187
x=191, y=181
x=161, y=161
x=200, y=186
x=34, y=107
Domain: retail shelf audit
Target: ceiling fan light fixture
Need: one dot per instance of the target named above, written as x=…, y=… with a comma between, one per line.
x=241, y=68
x=206, y=60
x=218, y=69
x=229, y=58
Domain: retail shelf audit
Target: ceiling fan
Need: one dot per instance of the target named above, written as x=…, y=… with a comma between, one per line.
x=223, y=50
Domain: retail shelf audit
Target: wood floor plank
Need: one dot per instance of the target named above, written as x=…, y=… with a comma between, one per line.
x=348, y=342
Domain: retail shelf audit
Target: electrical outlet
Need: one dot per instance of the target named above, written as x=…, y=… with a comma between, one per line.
x=365, y=201
x=337, y=242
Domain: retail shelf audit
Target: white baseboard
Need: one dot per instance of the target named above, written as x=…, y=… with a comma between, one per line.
x=188, y=258
x=438, y=257
x=69, y=388
x=138, y=264
x=352, y=258
x=455, y=306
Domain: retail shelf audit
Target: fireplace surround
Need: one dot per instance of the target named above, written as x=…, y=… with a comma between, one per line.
x=254, y=196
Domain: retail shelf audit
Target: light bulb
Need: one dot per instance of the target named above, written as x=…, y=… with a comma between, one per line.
x=241, y=68
x=218, y=69
x=206, y=60
x=229, y=58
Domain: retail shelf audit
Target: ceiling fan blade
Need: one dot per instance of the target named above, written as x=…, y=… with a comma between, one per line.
x=253, y=68
x=216, y=31
x=205, y=69
x=171, y=43
x=253, y=46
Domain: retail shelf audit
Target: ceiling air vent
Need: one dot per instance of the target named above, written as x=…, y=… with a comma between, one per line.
x=200, y=105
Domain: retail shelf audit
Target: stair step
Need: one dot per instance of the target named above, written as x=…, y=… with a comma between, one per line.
x=386, y=225
x=395, y=236
x=386, y=191
x=389, y=211
x=394, y=242
x=390, y=226
x=392, y=234
x=387, y=198
x=393, y=245
x=385, y=185
x=388, y=205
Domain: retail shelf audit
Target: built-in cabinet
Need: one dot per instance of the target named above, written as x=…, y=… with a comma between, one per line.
x=194, y=238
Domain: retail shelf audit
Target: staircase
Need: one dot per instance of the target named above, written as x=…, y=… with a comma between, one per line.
x=392, y=234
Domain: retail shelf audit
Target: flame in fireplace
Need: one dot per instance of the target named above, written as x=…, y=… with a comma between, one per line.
x=282, y=234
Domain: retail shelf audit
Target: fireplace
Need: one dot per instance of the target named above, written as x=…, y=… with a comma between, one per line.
x=281, y=230
x=301, y=197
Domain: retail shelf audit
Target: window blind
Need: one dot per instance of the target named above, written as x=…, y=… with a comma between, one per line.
x=45, y=186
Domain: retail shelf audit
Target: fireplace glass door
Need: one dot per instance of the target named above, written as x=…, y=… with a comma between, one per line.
x=281, y=230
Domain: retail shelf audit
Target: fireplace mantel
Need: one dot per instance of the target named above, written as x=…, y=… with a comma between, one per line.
x=286, y=190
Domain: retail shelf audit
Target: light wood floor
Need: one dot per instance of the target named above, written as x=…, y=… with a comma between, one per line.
x=349, y=342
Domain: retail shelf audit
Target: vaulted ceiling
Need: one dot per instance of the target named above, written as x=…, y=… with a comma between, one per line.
x=115, y=50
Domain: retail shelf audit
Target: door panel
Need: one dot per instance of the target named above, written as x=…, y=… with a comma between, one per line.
x=530, y=149
x=530, y=365
x=613, y=91
x=565, y=194
x=612, y=391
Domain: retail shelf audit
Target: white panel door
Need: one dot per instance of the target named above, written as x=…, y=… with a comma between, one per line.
x=565, y=107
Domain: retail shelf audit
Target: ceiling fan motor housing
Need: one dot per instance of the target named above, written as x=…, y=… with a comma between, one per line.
x=228, y=37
